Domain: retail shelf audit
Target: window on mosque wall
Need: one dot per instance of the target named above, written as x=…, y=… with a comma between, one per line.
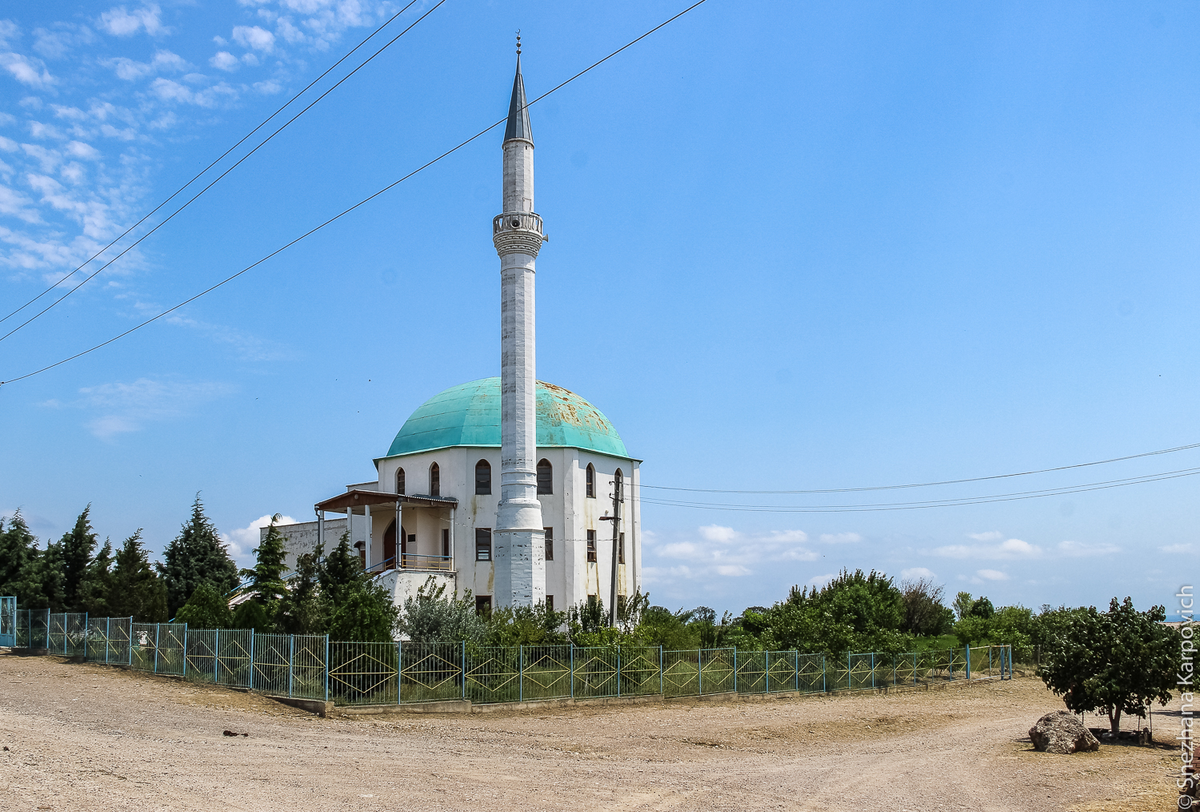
x=591, y=545
x=399, y=480
x=591, y=481
x=621, y=549
x=619, y=486
x=435, y=480
x=445, y=542
x=483, y=605
x=545, y=478
x=483, y=544
x=483, y=478
x=550, y=602
x=549, y=531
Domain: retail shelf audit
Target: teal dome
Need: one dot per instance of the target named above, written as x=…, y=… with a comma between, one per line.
x=469, y=414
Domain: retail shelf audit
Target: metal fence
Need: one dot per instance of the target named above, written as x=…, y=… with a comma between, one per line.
x=357, y=673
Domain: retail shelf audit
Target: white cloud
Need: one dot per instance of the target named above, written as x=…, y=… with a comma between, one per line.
x=26, y=70
x=170, y=90
x=818, y=581
x=731, y=570
x=247, y=346
x=252, y=36
x=15, y=204
x=1077, y=549
x=82, y=150
x=242, y=542
x=715, y=532
x=840, y=538
x=991, y=575
x=1010, y=548
x=223, y=60
x=916, y=573
x=121, y=22
x=130, y=70
x=990, y=535
x=1178, y=549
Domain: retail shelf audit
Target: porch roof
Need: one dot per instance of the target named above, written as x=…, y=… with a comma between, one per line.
x=356, y=498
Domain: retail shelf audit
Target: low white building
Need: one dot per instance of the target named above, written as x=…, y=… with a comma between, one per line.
x=439, y=484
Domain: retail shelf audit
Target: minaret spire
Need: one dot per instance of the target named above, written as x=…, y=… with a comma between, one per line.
x=518, y=539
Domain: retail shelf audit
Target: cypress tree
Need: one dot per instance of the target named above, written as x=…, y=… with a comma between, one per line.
x=137, y=591
x=196, y=556
x=261, y=609
x=20, y=564
x=96, y=588
x=77, y=546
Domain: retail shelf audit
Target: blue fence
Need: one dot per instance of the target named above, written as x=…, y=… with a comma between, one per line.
x=353, y=673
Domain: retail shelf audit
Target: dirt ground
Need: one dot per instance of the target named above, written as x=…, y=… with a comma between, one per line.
x=90, y=737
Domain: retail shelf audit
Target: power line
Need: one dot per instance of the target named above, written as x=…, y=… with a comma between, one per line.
x=344, y=212
x=210, y=166
x=964, y=501
x=943, y=482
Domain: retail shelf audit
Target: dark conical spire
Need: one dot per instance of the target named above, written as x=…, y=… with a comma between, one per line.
x=518, y=113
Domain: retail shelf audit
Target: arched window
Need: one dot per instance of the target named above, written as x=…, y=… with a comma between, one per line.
x=591, y=481
x=619, y=485
x=545, y=475
x=435, y=480
x=483, y=478
x=399, y=480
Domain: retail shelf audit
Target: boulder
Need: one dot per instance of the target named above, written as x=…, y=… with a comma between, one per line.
x=1061, y=732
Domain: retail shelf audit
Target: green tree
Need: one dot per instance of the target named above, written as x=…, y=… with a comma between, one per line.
x=51, y=572
x=207, y=608
x=194, y=557
x=660, y=626
x=982, y=607
x=77, y=546
x=1116, y=662
x=20, y=564
x=136, y=590
x=972, y=630
x=924, y=612
x=357, y=607
x=962, y=604
x=96, y=588
x=1013, y=625
x=432, y=616
x=301, y=610
x=527, y=625
x=265, y=585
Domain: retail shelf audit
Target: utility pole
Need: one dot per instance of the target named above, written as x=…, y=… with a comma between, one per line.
x=618, y=497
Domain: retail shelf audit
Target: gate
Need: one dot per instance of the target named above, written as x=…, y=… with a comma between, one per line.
x=8, y=622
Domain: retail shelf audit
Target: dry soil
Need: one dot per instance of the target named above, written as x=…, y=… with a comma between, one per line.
x=90, y=737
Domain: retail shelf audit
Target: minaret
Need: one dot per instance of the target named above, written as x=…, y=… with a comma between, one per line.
x=518, y=539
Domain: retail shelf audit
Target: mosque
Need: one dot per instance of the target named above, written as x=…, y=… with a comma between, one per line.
x=511, y=488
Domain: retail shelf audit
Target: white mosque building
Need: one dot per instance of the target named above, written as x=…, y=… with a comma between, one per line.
x=503, y=487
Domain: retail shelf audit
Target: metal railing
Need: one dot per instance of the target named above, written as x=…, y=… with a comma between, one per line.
x=413, y=561
x=360, y=673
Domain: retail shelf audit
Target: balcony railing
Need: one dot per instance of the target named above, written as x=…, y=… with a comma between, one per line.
x=413, y=561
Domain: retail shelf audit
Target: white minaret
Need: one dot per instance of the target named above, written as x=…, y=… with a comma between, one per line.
x=518, y=539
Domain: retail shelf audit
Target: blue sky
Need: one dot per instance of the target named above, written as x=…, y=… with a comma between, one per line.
x=793, y=247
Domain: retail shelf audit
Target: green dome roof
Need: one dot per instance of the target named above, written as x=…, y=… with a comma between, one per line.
x=469, y=414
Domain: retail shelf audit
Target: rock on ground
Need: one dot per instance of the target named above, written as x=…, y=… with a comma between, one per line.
x=1061, y=732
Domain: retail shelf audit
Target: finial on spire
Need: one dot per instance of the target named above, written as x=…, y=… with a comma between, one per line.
x=518, y=42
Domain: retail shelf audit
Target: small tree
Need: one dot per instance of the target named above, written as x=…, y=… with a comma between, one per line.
x=301, y=610
x=962, y=604
x=206, y=609
x=20, y=564
x=1116, y=661
x=924, y=612
x=432, y=616
x=357, y=607
x=266, y=587
x=77, y=546
x=95, y=590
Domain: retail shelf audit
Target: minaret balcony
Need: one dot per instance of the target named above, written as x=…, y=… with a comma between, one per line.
x=517, y=231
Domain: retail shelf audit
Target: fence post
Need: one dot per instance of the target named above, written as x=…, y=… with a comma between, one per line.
x=107, y=638
x=291, y=661
x=735, y=669
x=573, y=670
x=796, y=660
x=767, y=670
x=968, y=662
x=872, y=670
x=618, y=671
x=326, y=668
x=85, y=634
x=252, y=659
x=130, y=641
x=521, y=672
x=824, y=681
x=47, y=646
x=462, y=663
x=989, y=661
x=660, y=671
x=399, y=670
x=217, y=655
x=700, y=671
x=185, y=657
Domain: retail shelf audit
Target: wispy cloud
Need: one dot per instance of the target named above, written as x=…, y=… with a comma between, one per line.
x=1010, y=548
x=916, y=573
x=720, y=551
x=992, y=575
x=1078, y=549
x=120, y=408
x=123, y=22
